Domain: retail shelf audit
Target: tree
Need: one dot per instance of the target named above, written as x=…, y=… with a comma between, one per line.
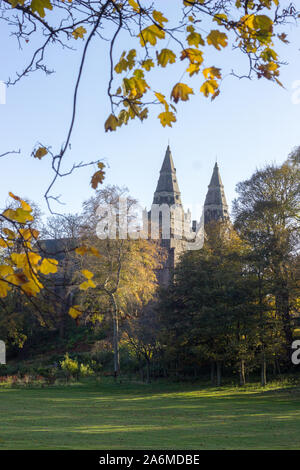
x=122, y=272
x=209, y=314
x=267, y=216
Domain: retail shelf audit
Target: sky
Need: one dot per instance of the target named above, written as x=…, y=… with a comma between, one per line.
x=250, y=124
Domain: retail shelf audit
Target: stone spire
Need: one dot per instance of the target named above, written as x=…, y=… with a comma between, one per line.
x=167, y=190
x=215, y=206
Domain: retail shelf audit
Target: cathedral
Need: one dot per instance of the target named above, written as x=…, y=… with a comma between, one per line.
x=167, y=195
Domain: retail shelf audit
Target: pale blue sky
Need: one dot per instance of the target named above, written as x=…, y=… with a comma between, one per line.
x=251, y=123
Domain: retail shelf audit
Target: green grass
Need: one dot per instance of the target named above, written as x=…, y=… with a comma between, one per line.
x=158, y=416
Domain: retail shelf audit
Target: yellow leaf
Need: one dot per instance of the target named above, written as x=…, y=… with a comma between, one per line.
x=75, y=312
x=161, y=98
x=263, y=23
x=217, y=39
x=220, y=18
x=32, y=287
x=111, y=123
x=193, y=68
x=126, y=63
x=166, y=56
x=19, y=215
x=40, y=153
x=147, y=64
x=209, y=87
x=134, y=5
x=5, y=270
x=87, y=273
x=4, y=288
x=195, y=39
x=194, y=55
x=39, y=6
x=10, y=234
x=212, y=72
x=79, y=32
x=27, y=233
x=159, y=17
x=24, y=204
x=98, y=177
x=87, y=284
x=167, y=118
x=151, y=34
x=181, y=91
x=48, y=265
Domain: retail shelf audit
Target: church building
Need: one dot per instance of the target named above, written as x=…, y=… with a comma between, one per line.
x=168, y=196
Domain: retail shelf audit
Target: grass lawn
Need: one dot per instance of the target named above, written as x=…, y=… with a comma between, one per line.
x=158, y=416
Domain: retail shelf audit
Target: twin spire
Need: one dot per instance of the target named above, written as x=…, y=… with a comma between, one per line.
x=167, y=191
x=215, y=206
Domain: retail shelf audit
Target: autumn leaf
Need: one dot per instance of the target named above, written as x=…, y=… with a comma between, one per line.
x=217, y=39
x=159, y=17
x=212, y=72
x=181, y=91
x=111, y=123
x=87, y=284
x=18, y=215
x=40, y=153
x=147, y=64
x=5, y=270
x=209, y=87
x=194, y=39
x=194, y=55
x=151, y=34
x=134, y=5
x=98, y=177
x=88, y=274
x=90, y=250
x=167, y=118
x=165, y=57
x=126, y=63
x=283, y=38
x=79, y=32
x=4, y=288
x=48, y=266
x=24, y=204
x=263, y=23
x=75, y=312
x=39, y=6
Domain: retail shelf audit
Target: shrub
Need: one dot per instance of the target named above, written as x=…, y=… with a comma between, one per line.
x=85, y=370
x=70, y=367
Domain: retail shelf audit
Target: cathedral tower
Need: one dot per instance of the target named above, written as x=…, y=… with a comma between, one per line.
x=167, y=203
x=215, y=206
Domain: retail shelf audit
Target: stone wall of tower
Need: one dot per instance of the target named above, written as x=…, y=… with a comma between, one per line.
x=167, y=196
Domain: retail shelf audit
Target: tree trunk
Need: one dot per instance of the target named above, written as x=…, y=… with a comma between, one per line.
x=263, y=370
x=116, y=337
x=213, y=372
x=219, y=372
x=148, y=370
x=242, y=373
x=283, y=310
